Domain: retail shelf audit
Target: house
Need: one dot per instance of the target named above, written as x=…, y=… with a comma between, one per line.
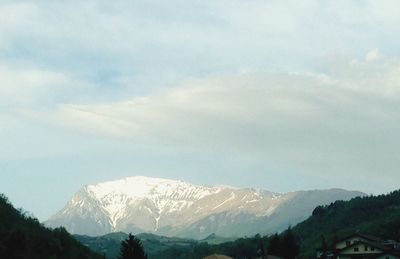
x=272, y=257
x=269, y=257
x=363, y=246
x=216, y=256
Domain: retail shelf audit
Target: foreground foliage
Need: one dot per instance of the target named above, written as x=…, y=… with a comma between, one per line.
x=22, y=236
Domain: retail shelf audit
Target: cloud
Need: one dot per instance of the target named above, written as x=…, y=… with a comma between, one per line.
x=373, y=55
x=22, y=84
x=153, y=43
x=83, y=85
x=25, y=85
x=343, y=123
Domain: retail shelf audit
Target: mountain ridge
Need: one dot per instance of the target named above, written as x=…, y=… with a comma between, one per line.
x=178, y=208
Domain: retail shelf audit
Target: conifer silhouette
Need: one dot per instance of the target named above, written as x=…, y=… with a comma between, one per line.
x=132, y=248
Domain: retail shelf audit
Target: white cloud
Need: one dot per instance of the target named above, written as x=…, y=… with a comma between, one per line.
x=373, y=55
x=25, y=85
x=14, y=18
x=148, y=41
x=341, y=118
x=346, y=123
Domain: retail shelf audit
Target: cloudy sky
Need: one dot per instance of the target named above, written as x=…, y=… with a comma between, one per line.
x=281, y=95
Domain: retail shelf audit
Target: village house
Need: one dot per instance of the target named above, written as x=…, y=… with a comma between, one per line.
x=217, y=256
x=362, y=246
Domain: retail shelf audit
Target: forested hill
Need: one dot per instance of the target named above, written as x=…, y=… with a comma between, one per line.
x=22, y=236
x=377, y=215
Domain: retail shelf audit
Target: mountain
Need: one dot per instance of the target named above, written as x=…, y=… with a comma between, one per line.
x=22, y=236
x=376, y=215
x=176, y=208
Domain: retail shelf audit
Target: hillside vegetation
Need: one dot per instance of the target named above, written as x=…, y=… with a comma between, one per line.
x=155, y=246
x=376, y=215
x=22, y=236
x=161, y=247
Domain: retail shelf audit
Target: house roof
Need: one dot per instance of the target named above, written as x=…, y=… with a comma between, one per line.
x=362, y=235
x=373, y=244
x=273, y=257
x=216, y=256
x=370, y=241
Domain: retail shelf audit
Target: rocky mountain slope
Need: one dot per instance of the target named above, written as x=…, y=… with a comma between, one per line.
x=176, y=208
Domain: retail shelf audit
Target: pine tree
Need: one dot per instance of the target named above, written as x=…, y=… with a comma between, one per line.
x=291, y=249
x=132, y=248
x=274, y=246
x=324, y=244
x=261, y=249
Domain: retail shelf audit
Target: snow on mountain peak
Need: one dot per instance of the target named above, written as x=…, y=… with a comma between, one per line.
x=141, y=186
x=166, y=195
x=143, y=204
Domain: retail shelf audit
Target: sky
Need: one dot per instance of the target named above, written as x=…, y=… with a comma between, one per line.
x=279, y=95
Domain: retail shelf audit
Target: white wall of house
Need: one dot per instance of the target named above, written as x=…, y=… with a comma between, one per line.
x=343, y=243
x=386, y=256
x=362, y=249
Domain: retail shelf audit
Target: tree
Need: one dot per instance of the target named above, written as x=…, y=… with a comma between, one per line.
x=291, y=249
x=22, y=236
x=324, y=244
x=261, y=250
x=274, y=246
x=132, y=248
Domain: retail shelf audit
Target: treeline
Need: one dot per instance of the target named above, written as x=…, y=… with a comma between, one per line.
x=284, y=245
x=22, y=236
x=159, y=247
x=240, y=248
x=376, y=215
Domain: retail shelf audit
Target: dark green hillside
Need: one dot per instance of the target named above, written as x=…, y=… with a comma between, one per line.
x=109, y=244
x=154, y=245
x=241, y=248
x=22, y=236
x=377, y=215
x=159, y=247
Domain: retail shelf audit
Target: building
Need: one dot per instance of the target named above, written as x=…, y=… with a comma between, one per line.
x=216, y=256
x=362, y=246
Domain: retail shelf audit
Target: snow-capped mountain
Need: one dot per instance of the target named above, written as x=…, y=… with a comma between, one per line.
x=177, y=208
